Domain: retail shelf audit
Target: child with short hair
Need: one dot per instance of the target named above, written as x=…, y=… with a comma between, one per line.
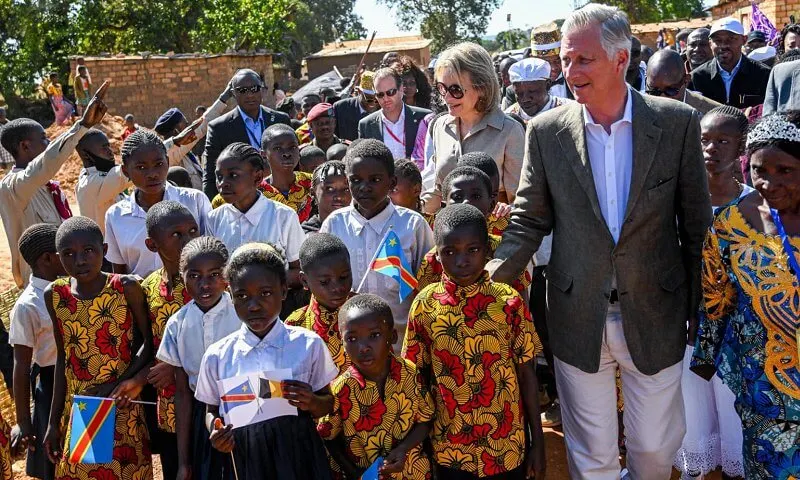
x=170, y=226
x=130, y=126
x=466, y=185
x=94, y=315
x=285, y=447
x=311, y=157
x=27, y=193
x=336, y=152
x=394, y=412
x=485, y=163
x=325, y=271
x=474, y=343
x=206, y=319
x=31, y=334
x=101, y=181
x=284, y=184
x=363, y=225
x=330, y=191
x=409, y=188
x=144, y=162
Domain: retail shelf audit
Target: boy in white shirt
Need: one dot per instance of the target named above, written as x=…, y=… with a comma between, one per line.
x=101, y=182
x=31, y=334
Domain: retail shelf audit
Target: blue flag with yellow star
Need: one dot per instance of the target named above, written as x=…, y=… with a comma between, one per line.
x=92, y=430
x=238, y=396
x=390, y=261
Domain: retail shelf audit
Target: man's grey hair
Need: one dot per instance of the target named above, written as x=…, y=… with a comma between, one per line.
x=614, y=25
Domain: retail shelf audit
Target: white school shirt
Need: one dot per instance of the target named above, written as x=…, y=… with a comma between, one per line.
x=189, y=333
x=31, y=325
x=611, y=157
x=267, y=221
x=126, y=231
x=97, y=191
x=398, y=128
x=242, y=353
x=362, y=238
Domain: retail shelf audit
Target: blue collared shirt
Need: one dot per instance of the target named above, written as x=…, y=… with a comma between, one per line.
x=255, y=128
x=727, y=78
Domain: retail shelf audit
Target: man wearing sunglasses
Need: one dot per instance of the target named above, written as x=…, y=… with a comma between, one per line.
x=350, y=111
x=245, y=123
x=396, y=124
x=667, y=77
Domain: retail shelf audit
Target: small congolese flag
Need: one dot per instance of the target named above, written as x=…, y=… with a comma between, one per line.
x=390, y=261
x=92, y=430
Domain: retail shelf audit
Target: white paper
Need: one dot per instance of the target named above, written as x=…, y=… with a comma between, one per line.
x=243, y=403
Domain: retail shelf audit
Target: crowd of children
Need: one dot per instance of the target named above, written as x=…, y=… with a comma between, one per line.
x=156, y=295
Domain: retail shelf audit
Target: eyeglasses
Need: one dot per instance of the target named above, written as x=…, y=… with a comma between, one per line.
x=455, y=90
x=246, y=90
x=388, y=93
x=667, y=92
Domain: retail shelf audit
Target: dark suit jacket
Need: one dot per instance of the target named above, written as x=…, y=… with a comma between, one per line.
x=656, y=260
x=783, y=89
x=348, y=114
x=747, y=89
x=371, y=126
x=225, y=130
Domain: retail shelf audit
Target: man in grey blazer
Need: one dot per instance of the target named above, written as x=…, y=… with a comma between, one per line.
x=783, y=88
x=618, y=179
x=395, y=124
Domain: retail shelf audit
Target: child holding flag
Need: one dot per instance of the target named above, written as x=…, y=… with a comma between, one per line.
x=94, y=315
x=373, y=224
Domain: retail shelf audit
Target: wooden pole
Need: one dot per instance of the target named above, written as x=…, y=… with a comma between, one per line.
x=361, y=63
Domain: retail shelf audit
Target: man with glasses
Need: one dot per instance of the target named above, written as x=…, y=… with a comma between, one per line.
x=396, y=124
x=350, y=111
x=666, y=77
x=246, y=123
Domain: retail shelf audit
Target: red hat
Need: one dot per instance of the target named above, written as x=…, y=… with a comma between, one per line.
x=320, y=110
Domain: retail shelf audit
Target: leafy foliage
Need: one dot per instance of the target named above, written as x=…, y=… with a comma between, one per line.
x=649, y=11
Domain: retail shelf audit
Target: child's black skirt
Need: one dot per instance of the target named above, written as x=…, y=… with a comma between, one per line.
x=207, y=463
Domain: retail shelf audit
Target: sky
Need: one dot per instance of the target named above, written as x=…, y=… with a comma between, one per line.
x=524, y=14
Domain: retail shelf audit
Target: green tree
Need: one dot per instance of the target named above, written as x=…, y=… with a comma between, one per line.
x=512, y=39
x=649, y=11
x=445, y=21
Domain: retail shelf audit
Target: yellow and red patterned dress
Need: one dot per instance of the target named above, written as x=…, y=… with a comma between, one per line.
x=497, y=225
x=430, y=270
x=97, y=335
x=373, y=424
x=324, y=323
x=299, y=198
x=162, y=304
x=466, y=343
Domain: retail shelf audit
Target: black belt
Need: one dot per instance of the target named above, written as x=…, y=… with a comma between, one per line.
x=613, y=297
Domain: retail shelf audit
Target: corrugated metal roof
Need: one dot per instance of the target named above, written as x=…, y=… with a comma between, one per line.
x=678, y=25
x=380, y=45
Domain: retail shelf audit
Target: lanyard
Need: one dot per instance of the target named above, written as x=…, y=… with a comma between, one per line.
x=787, y=247
x=255, y=141
x=391, y=134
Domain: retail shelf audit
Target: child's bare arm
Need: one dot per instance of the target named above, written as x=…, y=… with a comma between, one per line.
x=23, y=435
x=535, y=462
x=52, y=439
x=338, y=451
x=183, y=420
x=299, y=394
x=396, y=459
x=129, y=384
x=221, y=435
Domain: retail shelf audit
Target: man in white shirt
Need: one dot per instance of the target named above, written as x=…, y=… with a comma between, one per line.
x=619, y=181
x=396, y=123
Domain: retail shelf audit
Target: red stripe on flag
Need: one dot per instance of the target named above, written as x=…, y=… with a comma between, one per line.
x=91, y=430
x=242, y=397
x=393, y=261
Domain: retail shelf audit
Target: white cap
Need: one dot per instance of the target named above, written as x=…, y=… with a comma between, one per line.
x=763, y=53
x=727, y=24
x=529, y=70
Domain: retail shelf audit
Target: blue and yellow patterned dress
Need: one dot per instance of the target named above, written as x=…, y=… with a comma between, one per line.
x=748, y=331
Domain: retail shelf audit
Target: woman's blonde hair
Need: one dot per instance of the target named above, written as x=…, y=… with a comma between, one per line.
x=471, y=58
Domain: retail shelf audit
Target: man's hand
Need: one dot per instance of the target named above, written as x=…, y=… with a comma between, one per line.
x=96, y=109
x=227, y=93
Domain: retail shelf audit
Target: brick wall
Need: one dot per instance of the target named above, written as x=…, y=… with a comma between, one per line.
x=777, y=11
x=146, y=87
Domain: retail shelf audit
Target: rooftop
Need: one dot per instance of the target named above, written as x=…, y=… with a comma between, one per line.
x=676, y=25
x=380, y=45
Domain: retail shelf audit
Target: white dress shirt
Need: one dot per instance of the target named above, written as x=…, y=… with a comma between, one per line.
x=97, y=191
x=126, y=231
x=267, y=221
x=190, y=332
x=31, y=325
x=243, y=353
x=398, y=129
x=611, y=157
x=363, y=237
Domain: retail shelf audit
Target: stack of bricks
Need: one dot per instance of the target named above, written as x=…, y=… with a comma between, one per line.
x=148, y=86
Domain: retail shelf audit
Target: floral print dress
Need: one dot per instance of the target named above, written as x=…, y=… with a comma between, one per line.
x=97, y=335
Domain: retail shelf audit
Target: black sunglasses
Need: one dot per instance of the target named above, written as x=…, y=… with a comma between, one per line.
x=246, y=90
x=455, y=90
x=669, y=92
x=388, y=93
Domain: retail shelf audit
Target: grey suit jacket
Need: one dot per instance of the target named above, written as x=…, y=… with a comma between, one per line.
x=657, y=257
x=371, y=126
x=700, y=103
x=783, y=88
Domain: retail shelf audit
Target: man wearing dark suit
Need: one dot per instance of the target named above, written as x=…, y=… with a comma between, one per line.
x=619, y=181
x=350, y=111
x=396, y=123
x=666, y=77
x=730, y=77
x=245, y=123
